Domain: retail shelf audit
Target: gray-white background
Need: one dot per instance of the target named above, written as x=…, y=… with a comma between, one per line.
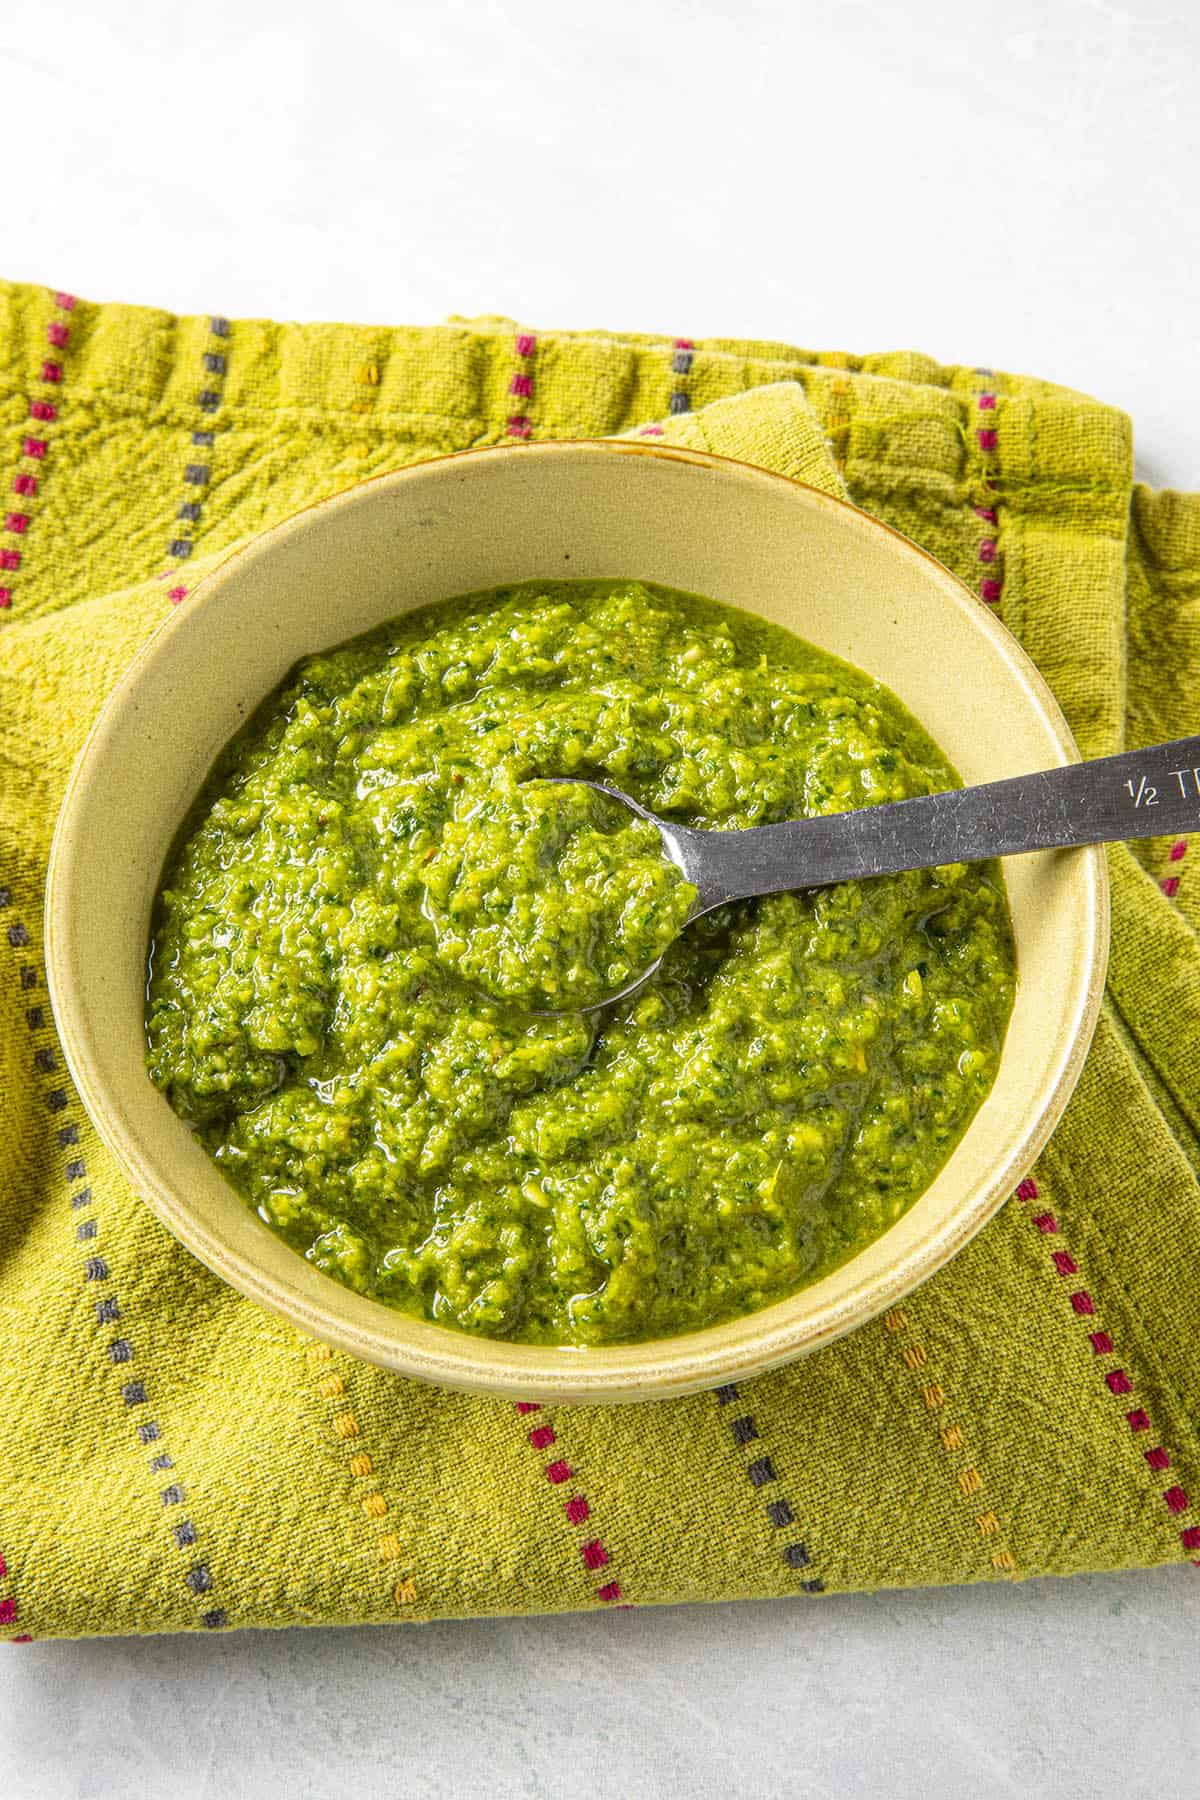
x=1082, y=1690
x=1013, y=184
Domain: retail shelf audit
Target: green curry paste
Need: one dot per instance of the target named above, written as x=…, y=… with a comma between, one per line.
x=374, y=928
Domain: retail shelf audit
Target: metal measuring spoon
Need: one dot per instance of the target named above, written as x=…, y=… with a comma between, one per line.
x=1141, y=793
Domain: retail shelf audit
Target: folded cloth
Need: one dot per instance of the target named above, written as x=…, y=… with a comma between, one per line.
x=173, y=1458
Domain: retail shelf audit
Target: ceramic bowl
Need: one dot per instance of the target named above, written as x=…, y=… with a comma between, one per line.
x=822, y=568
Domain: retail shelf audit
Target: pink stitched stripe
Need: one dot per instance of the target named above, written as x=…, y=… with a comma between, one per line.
x=651, y=431
x=25, y=483
x=1177, y=852
x=8, y=1607
x=520, y=384
x=991, y=586
x=593, y=1554
x=1117, y=1381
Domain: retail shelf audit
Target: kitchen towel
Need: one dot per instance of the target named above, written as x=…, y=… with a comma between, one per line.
x=172, y=1457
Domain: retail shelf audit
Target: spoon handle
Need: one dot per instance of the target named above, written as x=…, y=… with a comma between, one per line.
x=1141, y=793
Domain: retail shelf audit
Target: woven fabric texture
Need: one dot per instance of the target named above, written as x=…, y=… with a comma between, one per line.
x=171, y=1457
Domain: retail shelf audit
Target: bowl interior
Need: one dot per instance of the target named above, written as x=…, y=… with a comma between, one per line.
x=824, y=570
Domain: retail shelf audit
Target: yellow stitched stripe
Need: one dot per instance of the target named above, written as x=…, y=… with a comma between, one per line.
x=345, y=1425
x=368, y=376
x=952, y=1438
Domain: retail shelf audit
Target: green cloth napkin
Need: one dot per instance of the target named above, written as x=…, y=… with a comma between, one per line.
x=171, y=1457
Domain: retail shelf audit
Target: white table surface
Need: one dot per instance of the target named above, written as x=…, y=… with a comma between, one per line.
x=1012, y=184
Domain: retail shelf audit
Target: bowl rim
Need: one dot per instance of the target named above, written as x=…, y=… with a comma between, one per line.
x=662, y=1367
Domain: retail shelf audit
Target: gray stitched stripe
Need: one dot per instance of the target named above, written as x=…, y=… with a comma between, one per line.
x=760, y=1473
x=208, y=399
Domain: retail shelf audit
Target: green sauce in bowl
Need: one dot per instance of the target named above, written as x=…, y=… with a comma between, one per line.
x=370, y=910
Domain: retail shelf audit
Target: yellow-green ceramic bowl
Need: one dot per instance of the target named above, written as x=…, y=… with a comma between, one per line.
x=823, y=569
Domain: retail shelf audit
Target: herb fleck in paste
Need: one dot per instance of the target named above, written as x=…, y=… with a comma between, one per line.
x=370, y=909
